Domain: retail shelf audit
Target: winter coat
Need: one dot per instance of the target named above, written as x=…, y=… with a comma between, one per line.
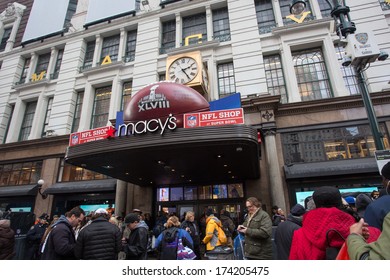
x=194, y=231
x=7, y=240
x=227, y=225
x=33, y=238
x=377, y=250
x=309, y=242
x=258, y=242
x=284, y=234
x=137, y=243
x=100, y=240
x=60, y=242
x=211, y=240
x=376, y=211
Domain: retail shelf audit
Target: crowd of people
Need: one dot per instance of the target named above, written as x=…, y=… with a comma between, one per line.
x=361, y=224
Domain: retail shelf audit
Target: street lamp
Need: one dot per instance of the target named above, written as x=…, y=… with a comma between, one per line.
x=345, y=27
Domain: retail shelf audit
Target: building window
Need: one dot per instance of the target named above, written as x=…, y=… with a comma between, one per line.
x=349, y=142
x=223, y=191
x=161, y=77
x=126, y=94
x=26, y=66
x=101, y=107
x=27, y=121
x=265, y=16
x=130, y=45
x=168, y=38
x=6, y=34
x=25, y=173
x=312, y=77
x=47, y=117
x=194, y=29
x=89, y=55
x=385, y=4
x=71, y=173
x=285, y=10
x=221, y=26
x=42, y=64
x=226, y=82
x=349, y=73
x=77, y=111
x=275, y=78
x=325, y=8
x=110, y=48
x=58, y=64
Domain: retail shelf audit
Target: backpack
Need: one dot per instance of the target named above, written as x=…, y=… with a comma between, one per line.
x=221, y=235
x=169, y=242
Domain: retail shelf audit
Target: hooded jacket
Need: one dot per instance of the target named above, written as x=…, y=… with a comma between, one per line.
x=377, y=250
x=284, y=234
x=137, y=244
x=258, y=242
x=309, y=242
x=7, y=240
x=100, y=240
x=60, y=242
x=211, y=240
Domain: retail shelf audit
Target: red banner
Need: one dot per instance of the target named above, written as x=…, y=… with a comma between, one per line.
x=214, y=118
x=91, y=135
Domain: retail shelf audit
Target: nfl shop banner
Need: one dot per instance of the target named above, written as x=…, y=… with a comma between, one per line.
x=91, y=135
x=214, y=118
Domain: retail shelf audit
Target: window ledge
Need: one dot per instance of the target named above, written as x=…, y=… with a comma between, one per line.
x=100, y=68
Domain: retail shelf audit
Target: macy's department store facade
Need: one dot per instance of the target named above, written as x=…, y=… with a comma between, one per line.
x=156, y=163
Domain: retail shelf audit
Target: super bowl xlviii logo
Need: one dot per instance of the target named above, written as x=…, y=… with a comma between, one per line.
x=362, y=38
x=75, y=139
x=153, y=100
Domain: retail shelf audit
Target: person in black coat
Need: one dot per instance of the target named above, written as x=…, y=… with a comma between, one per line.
x=136, y=246
x=285, y=231
x=100, y=239
x=60, y=242
x=192, y=228
x=34, y=237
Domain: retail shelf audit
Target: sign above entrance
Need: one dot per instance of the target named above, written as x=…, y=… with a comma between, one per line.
x=214, y=118
x=91, y=135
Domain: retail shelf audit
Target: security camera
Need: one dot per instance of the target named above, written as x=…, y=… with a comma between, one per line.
x=346, y=61
x=383, y=56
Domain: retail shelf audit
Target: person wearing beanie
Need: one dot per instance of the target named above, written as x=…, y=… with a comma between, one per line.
x=361, y=203
x=378, y=209
x=100, y=239
x=7, y=239
x=285, y=231
x=310, y=241
x=136, y=246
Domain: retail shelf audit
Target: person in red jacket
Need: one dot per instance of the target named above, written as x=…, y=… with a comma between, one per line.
x=309, y=242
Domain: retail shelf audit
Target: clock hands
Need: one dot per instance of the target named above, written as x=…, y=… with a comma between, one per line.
x=183, y=69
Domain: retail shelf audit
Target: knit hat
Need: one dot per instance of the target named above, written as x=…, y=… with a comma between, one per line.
x=101, y=211
x=44, y=216
x=386, y=171
x=350, y=200
x=327, y=197
x=361, y=203
x=297, y=210
x=131, y=218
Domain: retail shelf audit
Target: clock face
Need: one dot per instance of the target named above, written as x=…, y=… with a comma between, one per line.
x=183, y=70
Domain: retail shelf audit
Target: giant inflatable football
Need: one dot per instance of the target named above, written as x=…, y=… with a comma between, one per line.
x=164, y=99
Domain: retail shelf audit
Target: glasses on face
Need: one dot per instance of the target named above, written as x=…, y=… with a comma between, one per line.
x=250, y=206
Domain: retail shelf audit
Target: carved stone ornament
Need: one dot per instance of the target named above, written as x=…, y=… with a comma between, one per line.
x=12, y=10
x=267, y=115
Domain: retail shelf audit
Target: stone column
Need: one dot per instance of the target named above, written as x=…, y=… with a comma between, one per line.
x=120, y=198
x=275, y=177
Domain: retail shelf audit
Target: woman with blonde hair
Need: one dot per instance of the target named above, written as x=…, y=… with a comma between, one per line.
x=167, y=241
x=189, y=224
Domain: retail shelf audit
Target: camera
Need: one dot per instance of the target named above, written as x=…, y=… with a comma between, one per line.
x=383, y=56
x=346, y=61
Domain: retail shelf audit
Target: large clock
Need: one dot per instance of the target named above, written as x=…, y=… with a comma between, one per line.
x=183, y=70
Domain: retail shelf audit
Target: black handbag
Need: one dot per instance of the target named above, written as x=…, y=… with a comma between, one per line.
x=332, y=252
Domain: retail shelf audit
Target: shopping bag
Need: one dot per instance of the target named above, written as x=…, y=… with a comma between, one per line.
x=184, y=252
x=343, y=253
